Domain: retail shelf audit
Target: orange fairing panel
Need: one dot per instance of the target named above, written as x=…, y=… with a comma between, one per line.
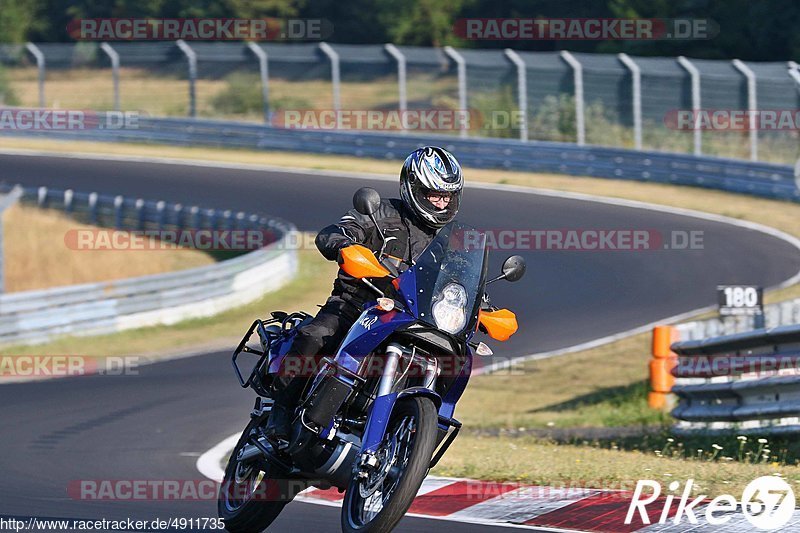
x=500, y=324
x=359, y=262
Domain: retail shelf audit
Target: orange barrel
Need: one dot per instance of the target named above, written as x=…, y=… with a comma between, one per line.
x=663, y=337
x=661, y=378
x=661, y=365
x=657, y=400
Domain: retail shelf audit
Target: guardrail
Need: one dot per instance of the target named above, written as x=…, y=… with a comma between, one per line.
x=105, y=307
x=759, y=179
x=747, y=382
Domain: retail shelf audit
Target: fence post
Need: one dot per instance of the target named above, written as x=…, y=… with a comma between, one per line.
x=178, y=216
x=195, y=214
x=191, y=57
x=263, y=69
x=118, y=201
x=636, y=88
x=5, y=202
x=794, y=73
x=402, y=97
x=752, y=105
x=695, y=77
x=114, y=57
x=797, y=174
x=140, y=213
x=41, y=197
x=463, y=123
x=577, y=72
x=335, y=74
x=40, y=65
x=93, y=208
x=160, y=208
x=68, y=198
x=522, y=92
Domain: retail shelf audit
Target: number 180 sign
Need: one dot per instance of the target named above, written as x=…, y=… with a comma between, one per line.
x=737, y=300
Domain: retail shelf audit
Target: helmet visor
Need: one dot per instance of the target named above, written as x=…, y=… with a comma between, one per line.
x=442, y=204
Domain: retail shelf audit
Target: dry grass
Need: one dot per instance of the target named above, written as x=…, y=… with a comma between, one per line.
x=531, y=461
x=82, y=88
x=36, y=256
x=597, y=387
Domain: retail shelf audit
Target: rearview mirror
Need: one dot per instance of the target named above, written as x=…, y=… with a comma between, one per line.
x=366, y=200
x=514, y=268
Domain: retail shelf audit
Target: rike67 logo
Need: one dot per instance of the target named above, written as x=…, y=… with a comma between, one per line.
x=767, y=503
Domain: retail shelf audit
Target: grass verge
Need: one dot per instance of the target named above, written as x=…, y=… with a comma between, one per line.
x=37, y=257
x=534, y=461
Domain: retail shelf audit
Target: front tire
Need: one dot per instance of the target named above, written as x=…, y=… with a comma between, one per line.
x=377, y=503
x=252, y=494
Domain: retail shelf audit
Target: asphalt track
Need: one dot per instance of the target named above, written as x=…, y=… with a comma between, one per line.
x=152, y=426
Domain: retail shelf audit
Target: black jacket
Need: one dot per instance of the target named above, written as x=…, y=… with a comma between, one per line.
x=406, y=239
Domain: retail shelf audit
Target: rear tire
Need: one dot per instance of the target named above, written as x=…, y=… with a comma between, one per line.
x=417, y=459
x=253, y=494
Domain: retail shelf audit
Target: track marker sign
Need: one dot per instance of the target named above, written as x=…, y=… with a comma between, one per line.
x=740, y=300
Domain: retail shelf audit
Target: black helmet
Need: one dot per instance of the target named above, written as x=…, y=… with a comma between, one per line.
x=427, y=169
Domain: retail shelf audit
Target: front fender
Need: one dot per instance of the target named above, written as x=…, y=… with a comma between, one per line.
x=381, y=411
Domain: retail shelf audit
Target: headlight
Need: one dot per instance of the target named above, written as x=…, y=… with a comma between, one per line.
x=449, y=312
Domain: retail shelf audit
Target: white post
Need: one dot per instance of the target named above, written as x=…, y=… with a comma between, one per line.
x=794, y=72
x=636, y=77
x=6, y=201
x=191, y=57
x=263, y=70
x=462, y=89
x=577, y=72
x=797, y=174
x=335, y=75
x=402, y=95
x=114, y=57
x=39, y=56
x=695, y=77
x=752, y=105
x=401, y=75
x=522, y=92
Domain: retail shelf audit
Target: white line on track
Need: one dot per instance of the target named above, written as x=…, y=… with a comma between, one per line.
x=210, y=465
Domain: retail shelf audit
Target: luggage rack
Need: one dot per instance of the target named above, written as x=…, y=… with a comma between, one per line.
x=269, y=331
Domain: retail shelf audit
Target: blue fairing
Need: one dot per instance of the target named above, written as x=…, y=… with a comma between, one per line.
x=369, y=331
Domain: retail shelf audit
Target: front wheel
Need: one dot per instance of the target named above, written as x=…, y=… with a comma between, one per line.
x=377, y=501
x=254, y=492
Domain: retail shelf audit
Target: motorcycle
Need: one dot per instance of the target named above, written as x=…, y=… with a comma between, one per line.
x=378, y=415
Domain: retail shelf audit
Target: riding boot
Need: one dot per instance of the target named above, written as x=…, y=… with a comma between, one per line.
x=286, y=396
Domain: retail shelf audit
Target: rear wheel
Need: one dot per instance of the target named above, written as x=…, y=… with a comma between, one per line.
x=377, y=501
x=253, y=492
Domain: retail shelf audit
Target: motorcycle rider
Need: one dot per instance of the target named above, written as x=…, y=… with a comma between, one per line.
x=431, y=183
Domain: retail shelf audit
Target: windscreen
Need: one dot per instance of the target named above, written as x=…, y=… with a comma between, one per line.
x=450, y=276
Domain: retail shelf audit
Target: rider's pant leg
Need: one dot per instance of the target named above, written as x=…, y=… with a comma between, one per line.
x=319, y=338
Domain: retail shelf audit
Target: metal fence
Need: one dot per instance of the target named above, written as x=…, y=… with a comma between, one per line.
x=759, y=179
x=95, y=308
x=610, y=100
x=748, y=383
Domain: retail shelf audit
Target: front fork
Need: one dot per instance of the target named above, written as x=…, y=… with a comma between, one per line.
x=382, y=407
x=393, y=354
